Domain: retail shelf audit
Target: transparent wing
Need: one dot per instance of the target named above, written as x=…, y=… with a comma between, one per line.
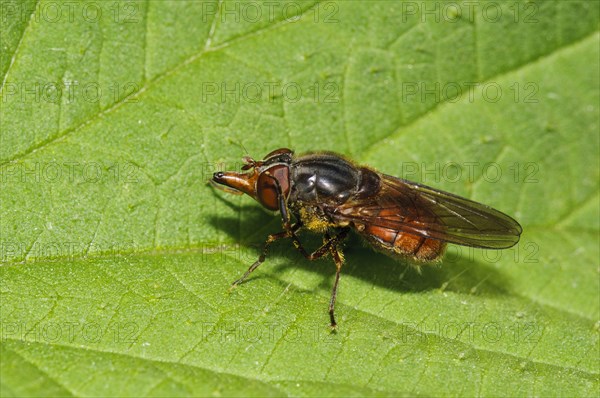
x=417, y=209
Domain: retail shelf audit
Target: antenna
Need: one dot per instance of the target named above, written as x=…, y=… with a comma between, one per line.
x=231, y=141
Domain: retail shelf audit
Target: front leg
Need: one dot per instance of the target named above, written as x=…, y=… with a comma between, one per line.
x=288, y=231
x=282, y=204
x=270, y=239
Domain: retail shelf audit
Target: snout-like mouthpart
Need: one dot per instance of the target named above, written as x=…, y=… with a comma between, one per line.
x=234, y=182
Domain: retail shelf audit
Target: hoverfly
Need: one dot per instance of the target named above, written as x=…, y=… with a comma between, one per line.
x=326, y=193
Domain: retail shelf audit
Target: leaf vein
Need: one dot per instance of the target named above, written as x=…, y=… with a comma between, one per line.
x=369, y=148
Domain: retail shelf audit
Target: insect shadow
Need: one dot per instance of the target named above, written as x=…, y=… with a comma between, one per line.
x=455, y=273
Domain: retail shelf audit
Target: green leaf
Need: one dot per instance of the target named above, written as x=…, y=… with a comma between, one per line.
x=116, y=255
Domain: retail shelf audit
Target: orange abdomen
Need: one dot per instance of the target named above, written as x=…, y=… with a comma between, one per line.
x=419, y=247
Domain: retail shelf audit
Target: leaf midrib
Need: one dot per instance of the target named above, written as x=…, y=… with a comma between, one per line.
x=266, y=381
x=173, y=362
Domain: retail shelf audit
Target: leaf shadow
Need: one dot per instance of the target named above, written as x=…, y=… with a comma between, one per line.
x=458, y=271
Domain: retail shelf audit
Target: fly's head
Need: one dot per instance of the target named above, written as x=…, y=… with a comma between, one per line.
x=261, y=179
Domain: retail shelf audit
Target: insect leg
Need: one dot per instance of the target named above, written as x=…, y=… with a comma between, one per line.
x=289, y=230
x=330, y=245
x=285, y=218
x=270, y=239
x=338, y=258
x=285, y=215
x=324, y=249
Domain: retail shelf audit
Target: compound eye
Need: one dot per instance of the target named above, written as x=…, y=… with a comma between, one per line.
x=266, y=186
